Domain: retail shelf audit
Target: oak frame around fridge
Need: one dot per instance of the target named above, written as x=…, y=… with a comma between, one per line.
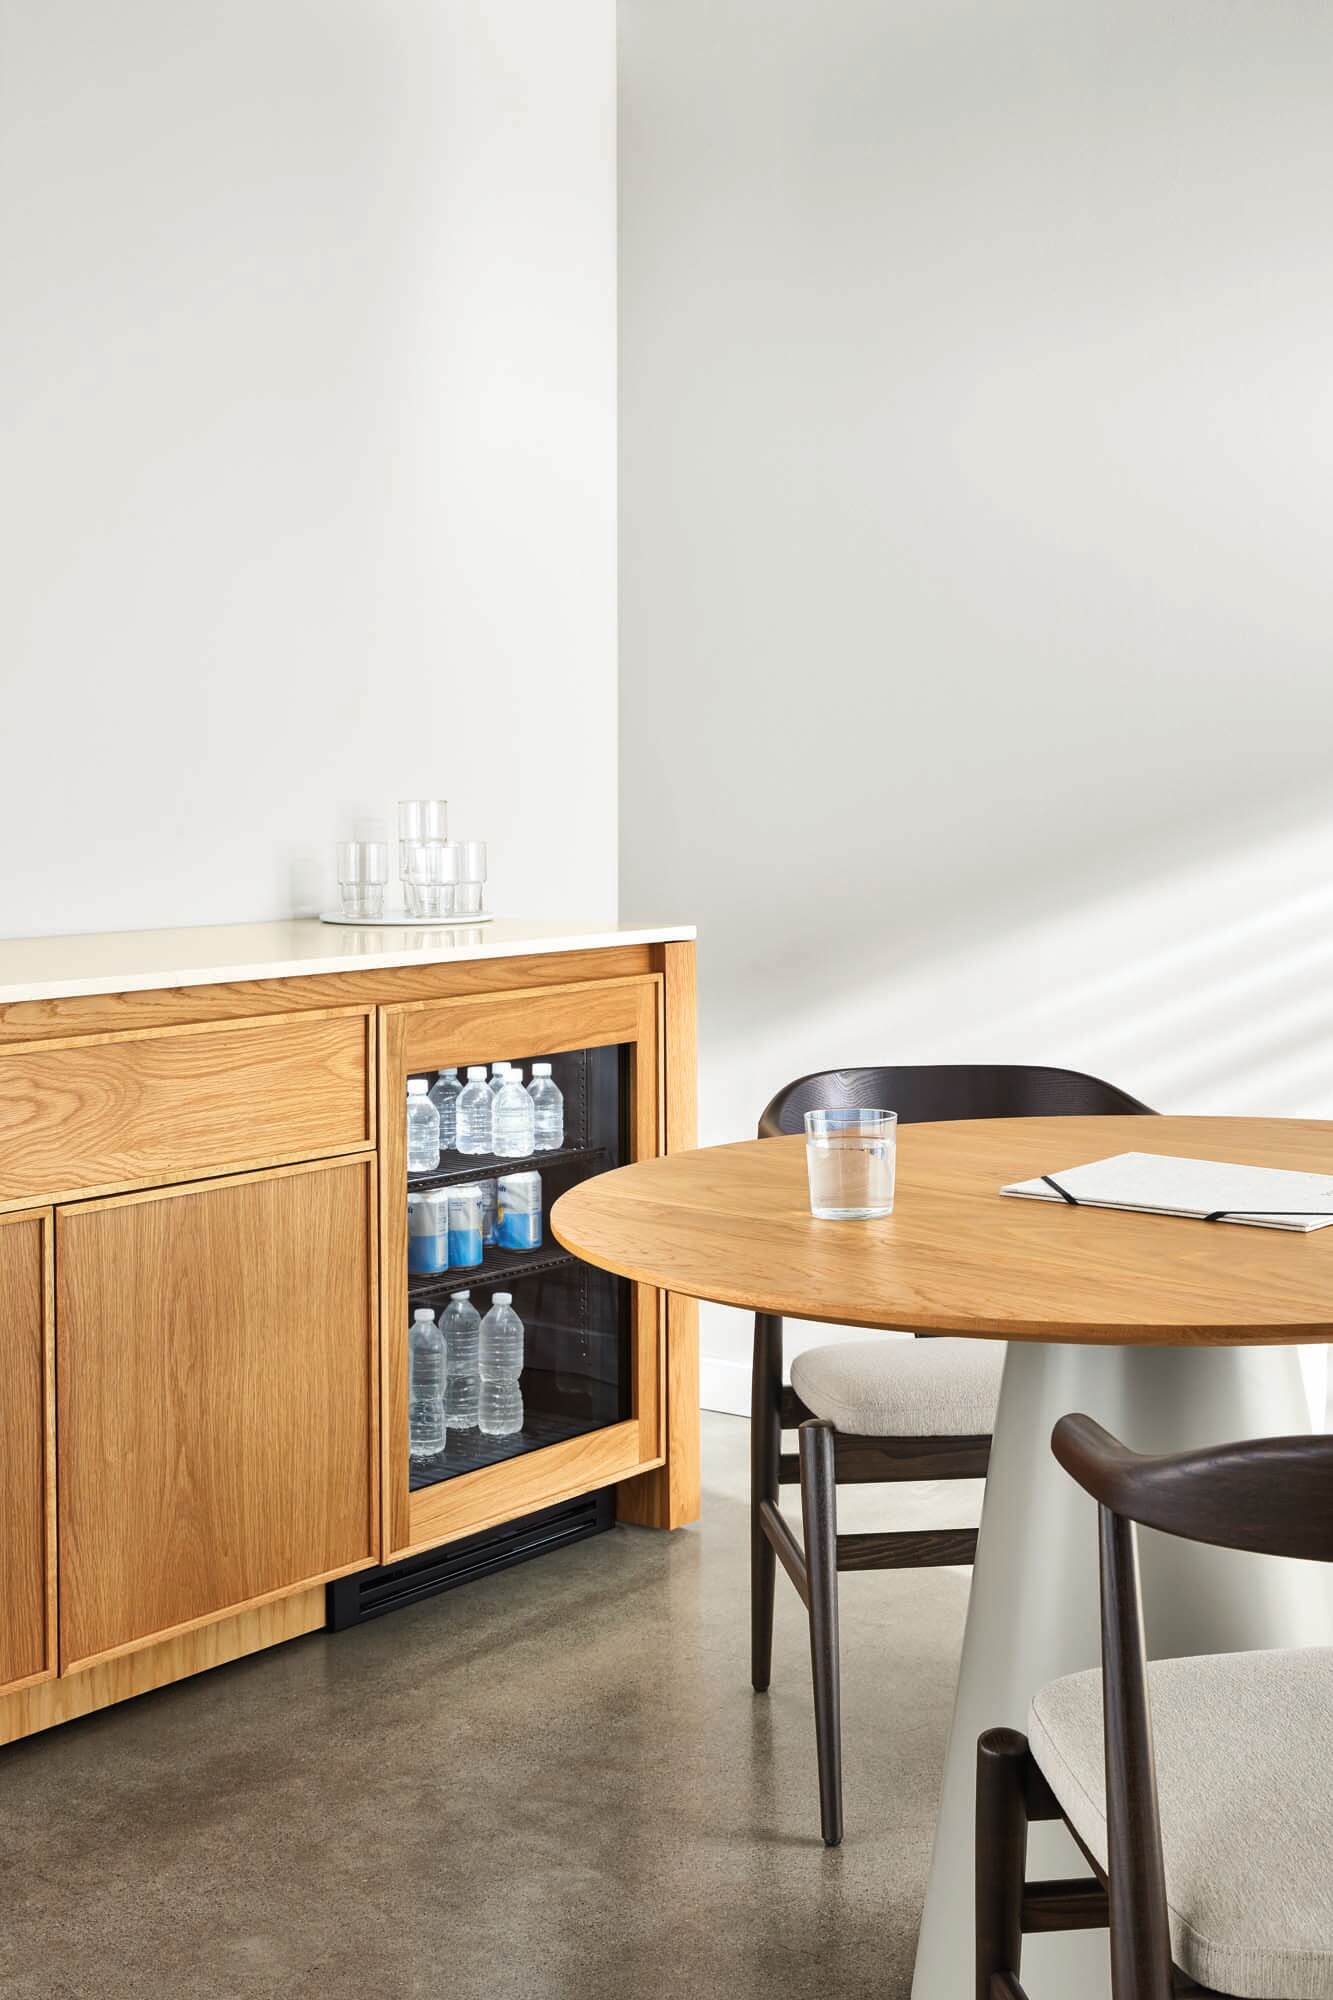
x=432, y=1035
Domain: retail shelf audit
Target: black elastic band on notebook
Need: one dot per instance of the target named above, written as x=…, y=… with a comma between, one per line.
x=1221, y=1214
x=1063, y=1193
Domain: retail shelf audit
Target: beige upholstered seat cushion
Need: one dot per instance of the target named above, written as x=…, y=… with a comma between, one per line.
x=1244, y=1750
x=903, y=1388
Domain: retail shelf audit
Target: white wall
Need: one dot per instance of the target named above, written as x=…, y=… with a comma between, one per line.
x=307, y=500
x=977, y=474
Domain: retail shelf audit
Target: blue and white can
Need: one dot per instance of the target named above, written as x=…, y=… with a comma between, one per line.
x=519, y=1211
x=465, y=1247
x=428, y=1232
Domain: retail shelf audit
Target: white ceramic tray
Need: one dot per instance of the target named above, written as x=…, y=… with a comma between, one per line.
x=399, y=921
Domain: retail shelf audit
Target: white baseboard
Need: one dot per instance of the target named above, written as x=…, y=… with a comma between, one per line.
x=724, y=1385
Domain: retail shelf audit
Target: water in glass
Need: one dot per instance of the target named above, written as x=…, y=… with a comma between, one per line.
x=850, y=1157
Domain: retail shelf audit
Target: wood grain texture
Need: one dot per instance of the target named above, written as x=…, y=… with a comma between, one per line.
x=648, y=1315
x=906, y=1548
x=670, y=1497
x=120, y=1013
x=733, y=1223
x=882, y=1461
x=1271, y=1496
x=215, y=1401
x=27, y=1498
x=416, y=1038
x=497, y=1493
x=591, y=1015
x=395, y=1497
x=52, y=1701
x=104, y=1113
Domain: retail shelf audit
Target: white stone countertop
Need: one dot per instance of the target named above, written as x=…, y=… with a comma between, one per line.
x=62, y=968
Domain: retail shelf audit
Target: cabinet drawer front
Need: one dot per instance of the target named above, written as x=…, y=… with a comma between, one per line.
x=131, y=1111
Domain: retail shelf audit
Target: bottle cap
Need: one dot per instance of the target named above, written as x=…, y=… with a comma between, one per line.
x=449, y=1072
x=502, y=1298
x=460, y=1295
x=514, y=1075
x=424, y=1312
x=541, y=1069
x=477, y=1072
x=417, y=1086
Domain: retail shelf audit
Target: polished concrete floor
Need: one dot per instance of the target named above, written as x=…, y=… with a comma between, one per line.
x=555, y=1784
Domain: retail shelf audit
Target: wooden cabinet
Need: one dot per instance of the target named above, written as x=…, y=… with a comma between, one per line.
x=204, y=1298
x=215, y=1407
x=27, y=1606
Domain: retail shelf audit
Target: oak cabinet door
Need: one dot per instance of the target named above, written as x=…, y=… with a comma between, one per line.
x=216, y=1400
x=26, y=1545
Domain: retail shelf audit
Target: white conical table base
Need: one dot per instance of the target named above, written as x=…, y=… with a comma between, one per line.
x=1033, y=1608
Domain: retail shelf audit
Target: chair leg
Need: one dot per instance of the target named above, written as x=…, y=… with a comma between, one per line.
x=1001, y=1857
x=765, y=1450
x=819, y=1520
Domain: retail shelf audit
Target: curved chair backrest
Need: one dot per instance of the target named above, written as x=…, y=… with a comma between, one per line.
x=1270, y=1495
x=927, y=1092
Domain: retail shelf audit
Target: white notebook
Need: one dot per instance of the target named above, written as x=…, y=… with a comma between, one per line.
x=1208, y=1190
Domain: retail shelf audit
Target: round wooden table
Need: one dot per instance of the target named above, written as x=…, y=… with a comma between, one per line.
x=1171, y=1332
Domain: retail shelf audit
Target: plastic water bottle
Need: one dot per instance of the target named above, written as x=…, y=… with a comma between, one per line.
x=548, y=1110
x=499, y=1071
x=444, y=1095
x=511, y=1138
x=462, y=1382
x=423, y=1129
x=474, y=1113
x=425, y=1407
x=501, y=1360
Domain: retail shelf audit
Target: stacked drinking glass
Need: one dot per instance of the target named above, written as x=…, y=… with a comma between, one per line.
x=363, y=870
x=427, y=862
x=440, y=877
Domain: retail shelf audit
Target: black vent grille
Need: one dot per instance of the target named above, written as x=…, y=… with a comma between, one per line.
x=351, y=1600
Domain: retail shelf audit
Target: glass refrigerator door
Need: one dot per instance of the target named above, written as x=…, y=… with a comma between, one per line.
x=591, y=1380
x=576, y=1374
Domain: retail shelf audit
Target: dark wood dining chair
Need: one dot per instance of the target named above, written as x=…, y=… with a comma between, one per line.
x=1203, y=1802
x=880, y=1409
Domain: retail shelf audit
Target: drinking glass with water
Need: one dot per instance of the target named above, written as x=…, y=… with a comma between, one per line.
x=850, y=1157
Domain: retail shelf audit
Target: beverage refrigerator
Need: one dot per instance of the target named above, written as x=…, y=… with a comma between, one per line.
x=595, y=1388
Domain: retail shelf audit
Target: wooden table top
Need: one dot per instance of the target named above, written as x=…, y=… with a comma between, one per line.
x=733, y=1224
